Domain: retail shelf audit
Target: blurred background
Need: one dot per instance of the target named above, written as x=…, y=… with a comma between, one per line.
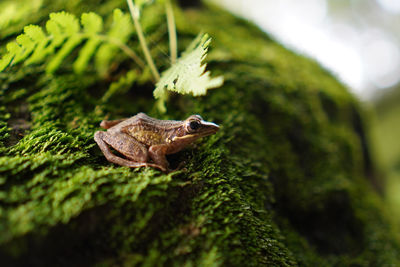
x=356, y=40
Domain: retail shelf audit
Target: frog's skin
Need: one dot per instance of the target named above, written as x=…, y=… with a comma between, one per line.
x=142, y=138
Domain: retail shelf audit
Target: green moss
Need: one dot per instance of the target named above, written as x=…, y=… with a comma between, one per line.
x=283, y=183
x=385, y=129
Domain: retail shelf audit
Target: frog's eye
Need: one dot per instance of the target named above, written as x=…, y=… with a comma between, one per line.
x=194, y=125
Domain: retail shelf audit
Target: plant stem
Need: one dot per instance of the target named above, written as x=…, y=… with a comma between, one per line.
x=124, y=48
x=142, y=41
x=173, y=44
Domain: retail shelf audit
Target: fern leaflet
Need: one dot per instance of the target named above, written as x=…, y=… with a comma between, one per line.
x=188, y=75
x=64, y=34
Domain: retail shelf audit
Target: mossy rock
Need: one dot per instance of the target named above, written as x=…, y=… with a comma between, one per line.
x=287, y=180
x=385, y=130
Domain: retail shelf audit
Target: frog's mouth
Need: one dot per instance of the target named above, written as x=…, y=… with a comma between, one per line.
x=207, y=128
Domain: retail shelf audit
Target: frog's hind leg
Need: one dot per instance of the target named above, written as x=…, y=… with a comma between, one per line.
x=135, y=152
x=108, y=124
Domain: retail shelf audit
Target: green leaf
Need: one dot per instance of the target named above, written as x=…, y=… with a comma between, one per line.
x=67, y=22
x=188, y=75
x=34, y=32
x=62, y=53
x=122, y=26
x=23, y=48
x=56, y=32
x=40, y=40
x=12, y=50
x=85, y=55
x=64, y=35
x=120, y=31
x=92, y=23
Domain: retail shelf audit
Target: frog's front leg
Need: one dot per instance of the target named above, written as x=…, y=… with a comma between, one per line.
x=157, y=154
x=108, y=124
x=135, y=152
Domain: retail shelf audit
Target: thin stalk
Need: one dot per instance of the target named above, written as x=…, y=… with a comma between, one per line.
x=124, y=48
x=173, y=44
x=142, y=41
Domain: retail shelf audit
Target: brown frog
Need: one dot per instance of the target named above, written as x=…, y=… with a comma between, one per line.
x=142, y=138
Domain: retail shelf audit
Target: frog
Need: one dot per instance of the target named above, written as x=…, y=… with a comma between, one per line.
x=144, y=141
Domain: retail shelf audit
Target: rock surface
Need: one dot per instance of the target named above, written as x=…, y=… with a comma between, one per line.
x=287, y=180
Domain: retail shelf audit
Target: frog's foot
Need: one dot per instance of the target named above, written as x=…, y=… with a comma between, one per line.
x=180, y=167
x=134, y=164
x=161, y=168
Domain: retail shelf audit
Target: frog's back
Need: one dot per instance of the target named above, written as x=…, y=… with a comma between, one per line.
x=148, y=130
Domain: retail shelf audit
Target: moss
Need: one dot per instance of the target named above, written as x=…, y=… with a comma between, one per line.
x=283, y=183
x=385, y=130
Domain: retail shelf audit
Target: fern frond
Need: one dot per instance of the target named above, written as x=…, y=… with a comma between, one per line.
x=188, y=75
x=118, y=34
x=68, y=26
x=92, y=25
x=64, y=33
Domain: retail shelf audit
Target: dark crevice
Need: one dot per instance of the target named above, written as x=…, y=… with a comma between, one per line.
x=189, y=3
x=19, y=122
x=330, y=107
x=332, y=228
x=369, y=168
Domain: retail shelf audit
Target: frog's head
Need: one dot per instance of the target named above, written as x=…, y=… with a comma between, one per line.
x=195, y=127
